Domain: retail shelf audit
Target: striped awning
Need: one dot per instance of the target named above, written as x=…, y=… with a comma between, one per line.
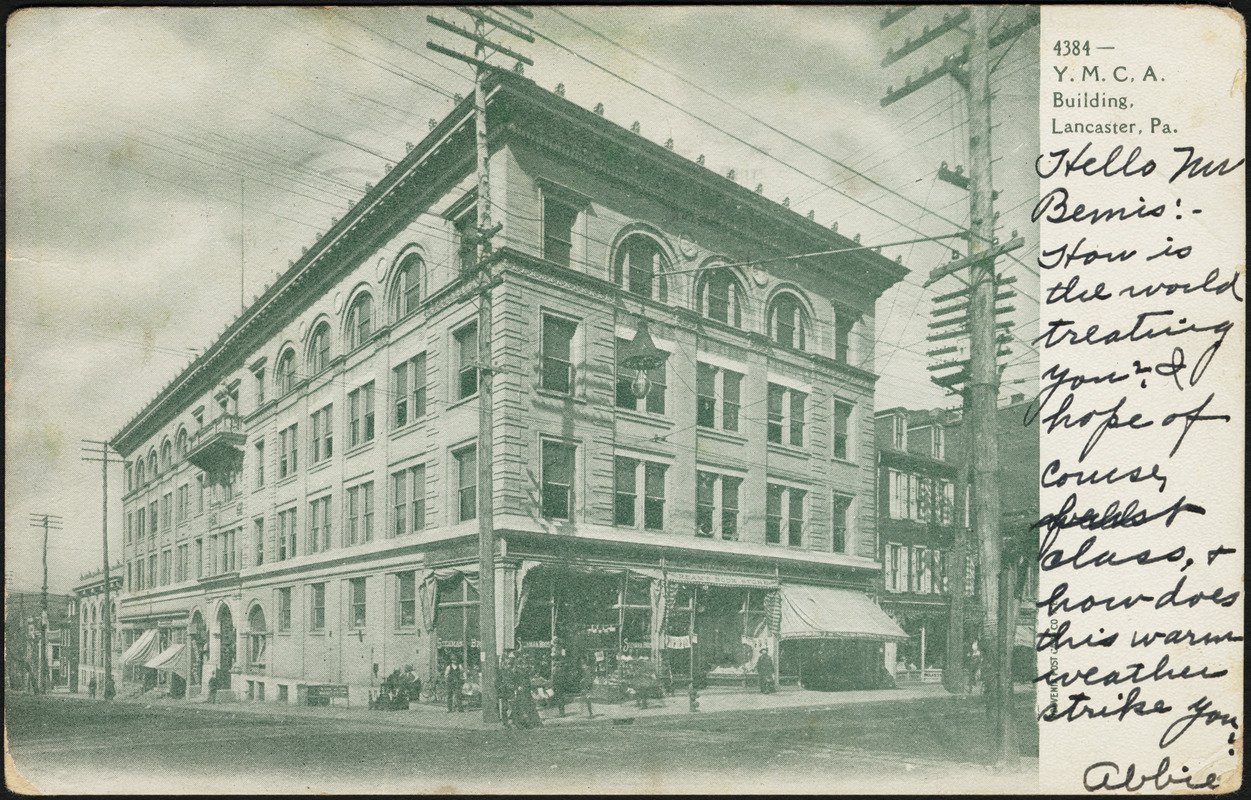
x=819, y=612
x=143, y=649
x=170, y=660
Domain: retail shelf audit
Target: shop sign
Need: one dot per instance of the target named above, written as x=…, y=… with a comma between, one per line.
x=722, y=580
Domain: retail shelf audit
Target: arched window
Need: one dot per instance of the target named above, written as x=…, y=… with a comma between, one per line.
x=284, y=377
x=319, y=349
x=408, y=285
x=152, y=470
x=140, y=477
x=640, y=266
x=256, y=638
x=720, y=297
x=181, y=449
x=788, y=322
x=167, y=456
x=360, y=320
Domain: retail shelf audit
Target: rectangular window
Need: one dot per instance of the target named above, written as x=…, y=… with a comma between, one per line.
x=199, y=495
x=199, y=558
x=921, y=582
x=842, y=338
x=258, y=540
x=361, y=415
x=466, y=361
x=717, y=400
x=356, y=595
x=317, y=607
x=900, y=432
x=286, y=534
x=925, y=505
x=914, y=497
x=284, y=608
x=399, y=494
x=654, y=496
x=795, y=520
x=130, y=526
x=360, y=513
x=556, y=352
x=557, y=479
x=898, y=494
x=776, y=406
x=407, y=599
x=773, y=513
x=939, y=442
x=624, y=491
x=729, y=507
x=139, y=573
x=152, y=571
x=784, y=514
x=797, y=417
x=288, y=451
x=558, y=221
x=417, y=481
x=167, y=511
x=260, y=463
x=467, y=482
x=167, y=560
x=319, y=525
x=705, y=395
x=259, y=374
x=842, y=429
x=731, y=388
x=946, y=503
x=654, y=402
x=180, y=563
x=142, y=517
x=409, y=390
x=839, y=523
x=322, y=439
x=152, y=518
x=705, y=503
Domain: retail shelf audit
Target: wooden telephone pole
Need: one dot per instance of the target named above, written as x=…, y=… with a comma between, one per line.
x=99, y=451
x=978, y=377
x=47, y=522
x=483, y=48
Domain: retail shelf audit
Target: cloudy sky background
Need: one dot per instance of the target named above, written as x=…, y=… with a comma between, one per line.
x=149, y=151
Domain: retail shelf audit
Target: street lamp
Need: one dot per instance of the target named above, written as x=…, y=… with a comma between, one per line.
x=641, y=354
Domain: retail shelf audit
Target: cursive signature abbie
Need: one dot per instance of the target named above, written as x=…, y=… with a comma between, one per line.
x=1102, y=775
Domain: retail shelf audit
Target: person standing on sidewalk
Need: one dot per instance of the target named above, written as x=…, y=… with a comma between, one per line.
x=588, y=684
x=91, y=687
x=764, y=668
x=455, y=680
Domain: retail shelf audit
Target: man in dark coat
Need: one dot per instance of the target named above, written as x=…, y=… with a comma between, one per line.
x=455, y=675
x=764, y=668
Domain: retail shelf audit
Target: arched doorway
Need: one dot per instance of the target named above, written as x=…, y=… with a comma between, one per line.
x=226, y=639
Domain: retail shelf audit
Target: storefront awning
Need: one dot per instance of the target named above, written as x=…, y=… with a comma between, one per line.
x=170, y=660
x=818, y=612
x=143, y=649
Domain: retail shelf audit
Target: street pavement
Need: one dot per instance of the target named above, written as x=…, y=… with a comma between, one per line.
x=917, y=739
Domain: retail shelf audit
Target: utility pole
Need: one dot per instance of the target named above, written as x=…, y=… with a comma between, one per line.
x=483, y=48
x=978, y=376
x=101, y=454
x=47, y=522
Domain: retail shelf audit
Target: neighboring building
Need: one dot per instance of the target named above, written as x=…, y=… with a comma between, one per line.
x=923, y=503
x=89, y=592
x=22, y=623
x=301, y=502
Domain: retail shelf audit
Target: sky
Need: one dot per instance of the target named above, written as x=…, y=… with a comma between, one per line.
x=165, y=165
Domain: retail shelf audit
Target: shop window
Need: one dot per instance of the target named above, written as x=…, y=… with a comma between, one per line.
x=557, y=479
x=284, y=376
x=286, y=534
x=840, y=523
x=467, y=482
x=361, y=415
x=559, y=217
x=556, y=354
x=787, y=415
x=317, y=607
x=720, y=297
x=360, y=514
x=408, y=388
x=456, y=622
x=788, y=322
x=288, y=451
x=654, y=402
x=640, y=266
x=284, y=608
x=356, y=596
x=466, y=360
x=321, y=440
x=360, y=320
x=408, y=285
x=842, y=430
x=407, y=599
x=319, y=525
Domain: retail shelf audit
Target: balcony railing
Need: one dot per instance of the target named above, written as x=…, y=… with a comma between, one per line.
x=218, y=446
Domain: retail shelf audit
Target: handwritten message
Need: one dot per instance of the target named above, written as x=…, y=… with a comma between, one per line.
x=1141, y=402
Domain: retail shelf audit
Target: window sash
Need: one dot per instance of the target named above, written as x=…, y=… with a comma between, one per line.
x=317, y=617
x=358, y=600
x=775, y=404
x=729, y=507
x=557, y=477
x=557, y=354
x=407, y=600
x=467, y=466
x=467, y=350
x=624, y=491
x=653, y=496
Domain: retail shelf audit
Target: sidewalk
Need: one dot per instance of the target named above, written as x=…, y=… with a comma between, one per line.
x=424, y=715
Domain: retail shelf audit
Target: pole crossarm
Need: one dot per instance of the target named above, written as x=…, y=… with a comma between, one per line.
x=506, y=27
x=990, y=253
x=481, y=40
x=893, y=16
x=928, y=35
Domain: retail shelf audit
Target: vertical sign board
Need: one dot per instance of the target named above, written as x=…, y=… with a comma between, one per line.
x=1141, y=408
